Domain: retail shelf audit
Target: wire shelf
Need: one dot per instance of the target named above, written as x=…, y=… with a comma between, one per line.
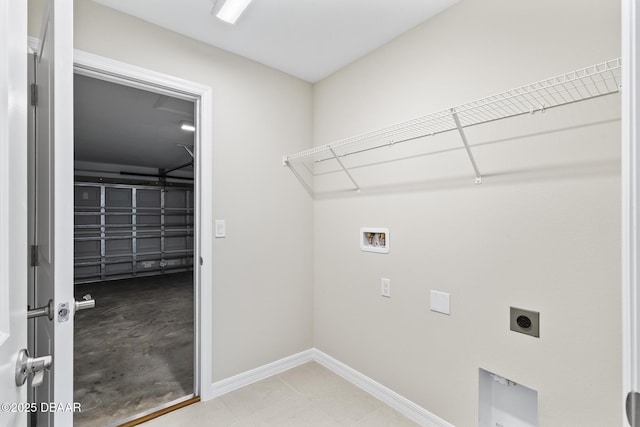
x=587, y=83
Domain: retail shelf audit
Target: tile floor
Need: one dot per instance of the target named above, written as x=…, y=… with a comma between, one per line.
x=306, y=396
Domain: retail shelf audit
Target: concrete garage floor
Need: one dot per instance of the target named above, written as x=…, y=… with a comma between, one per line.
x=134, y=350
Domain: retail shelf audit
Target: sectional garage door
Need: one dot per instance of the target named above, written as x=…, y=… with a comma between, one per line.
x=126, y=231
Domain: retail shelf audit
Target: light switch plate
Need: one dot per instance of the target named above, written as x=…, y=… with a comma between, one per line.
x=385, y=287
x=440, y=302
x=221, y=228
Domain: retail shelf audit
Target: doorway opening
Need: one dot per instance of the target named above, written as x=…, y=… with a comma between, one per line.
x=134, y=237
x=40, y=336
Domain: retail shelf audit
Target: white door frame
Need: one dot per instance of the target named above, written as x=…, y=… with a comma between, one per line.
x=118, y=72
x=630, y=198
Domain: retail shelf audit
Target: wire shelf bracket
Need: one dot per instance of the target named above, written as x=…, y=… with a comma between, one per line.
x=583, y=84
x=472, y=159
x=335, y=156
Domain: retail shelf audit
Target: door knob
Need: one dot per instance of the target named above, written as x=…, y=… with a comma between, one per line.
x=46, y=310
x=64, y=309
x=31, y=366
x=85, y=303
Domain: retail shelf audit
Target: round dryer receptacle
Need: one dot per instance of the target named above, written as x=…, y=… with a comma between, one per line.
x=524, y=322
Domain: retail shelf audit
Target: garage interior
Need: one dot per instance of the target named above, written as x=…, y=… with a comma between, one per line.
x=133, y=250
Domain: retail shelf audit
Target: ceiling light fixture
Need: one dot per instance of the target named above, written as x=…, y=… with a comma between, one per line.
x=232, y=9
x=187, y=126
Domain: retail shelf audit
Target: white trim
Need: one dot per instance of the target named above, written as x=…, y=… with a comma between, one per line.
x=630, y=198
x=254, y=375
x=401, y=404
x=58, y=26
x=91, y=65
x=107, y=69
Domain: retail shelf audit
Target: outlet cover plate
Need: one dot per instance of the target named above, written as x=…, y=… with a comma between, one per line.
x=524, y=321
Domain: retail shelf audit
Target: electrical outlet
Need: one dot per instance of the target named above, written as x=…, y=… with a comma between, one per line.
x=385, y=287
x=524, y=321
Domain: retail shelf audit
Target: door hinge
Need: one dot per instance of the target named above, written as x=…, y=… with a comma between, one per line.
x=34, y=255
x=34, y=94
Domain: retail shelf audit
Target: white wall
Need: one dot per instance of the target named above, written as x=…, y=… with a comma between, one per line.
x=262, y=292
x=542, y=232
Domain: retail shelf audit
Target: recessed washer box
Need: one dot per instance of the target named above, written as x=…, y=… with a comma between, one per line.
x=374, y=239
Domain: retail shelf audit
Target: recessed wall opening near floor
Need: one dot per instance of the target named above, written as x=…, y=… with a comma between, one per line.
x=134, y=234
x=505, y=403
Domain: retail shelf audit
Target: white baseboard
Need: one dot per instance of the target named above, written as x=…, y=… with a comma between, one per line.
x=260, y=373
x=401, y=404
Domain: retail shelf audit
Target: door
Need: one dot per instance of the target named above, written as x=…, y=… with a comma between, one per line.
x=54, y=212
x=13, y=174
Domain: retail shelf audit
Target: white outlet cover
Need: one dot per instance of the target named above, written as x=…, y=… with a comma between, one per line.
x=440, y=302
x=385, y=287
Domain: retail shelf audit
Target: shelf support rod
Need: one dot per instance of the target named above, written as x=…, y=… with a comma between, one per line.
x=344, y=168
x=466, y=146
x=285, y=162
